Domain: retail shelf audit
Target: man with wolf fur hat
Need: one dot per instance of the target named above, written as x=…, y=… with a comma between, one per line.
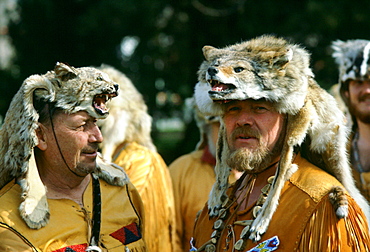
x=288, y=136
x=57, y=193
x=352, y=57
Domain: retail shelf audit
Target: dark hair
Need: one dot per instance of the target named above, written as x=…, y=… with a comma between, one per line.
x=45, y=109
x=344, y=87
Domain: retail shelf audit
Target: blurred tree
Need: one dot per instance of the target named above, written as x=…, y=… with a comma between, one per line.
x=158, y=43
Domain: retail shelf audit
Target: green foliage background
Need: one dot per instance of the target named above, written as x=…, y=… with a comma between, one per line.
x=171, y=35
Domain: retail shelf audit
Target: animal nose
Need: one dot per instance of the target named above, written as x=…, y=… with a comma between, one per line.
x=116, y=87
x=212, y=71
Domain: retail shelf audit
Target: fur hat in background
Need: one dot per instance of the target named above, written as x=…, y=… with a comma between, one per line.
x=128, y=119
x=202, y=121
x=67, y=88
x=271, y=68
x=353, y=59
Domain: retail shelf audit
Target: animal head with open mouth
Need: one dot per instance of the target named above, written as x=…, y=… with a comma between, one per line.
x=263, y=68
x=70, y=89
x=77, y=89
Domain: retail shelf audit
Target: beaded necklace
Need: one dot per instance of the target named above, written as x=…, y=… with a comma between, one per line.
x=355, y=154
x=224, y=214
x=356, y=165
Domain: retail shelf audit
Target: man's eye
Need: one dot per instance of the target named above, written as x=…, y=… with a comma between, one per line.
x=81, y=127
x=238, y=69
x=260, y=109
x=234, y=108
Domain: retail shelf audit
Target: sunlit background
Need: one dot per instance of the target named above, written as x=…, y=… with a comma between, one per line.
x=157, y=44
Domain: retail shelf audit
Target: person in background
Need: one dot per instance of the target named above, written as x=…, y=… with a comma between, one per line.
x=197, y=168
x=128, y=144
x=57, y=194
x=352, y=57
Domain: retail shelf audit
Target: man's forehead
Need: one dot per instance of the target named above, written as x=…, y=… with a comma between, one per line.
x=79, y=115
x=251, y=101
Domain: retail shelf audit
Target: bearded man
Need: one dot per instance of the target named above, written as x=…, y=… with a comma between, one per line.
x=288, y=137
x=354, y=89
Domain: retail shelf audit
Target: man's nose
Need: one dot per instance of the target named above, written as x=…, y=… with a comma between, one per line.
x=96, y=135
x=245, y=120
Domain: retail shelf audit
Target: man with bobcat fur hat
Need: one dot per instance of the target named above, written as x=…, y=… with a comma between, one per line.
x=57, y=193
x=288, y=136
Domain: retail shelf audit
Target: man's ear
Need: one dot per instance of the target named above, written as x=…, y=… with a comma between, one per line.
x=41, y=136
x=346, y=94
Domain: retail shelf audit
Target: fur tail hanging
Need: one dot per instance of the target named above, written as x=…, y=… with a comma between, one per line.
x=339, y=201
x=34, y=207
x=217, y=196
x=329, y=136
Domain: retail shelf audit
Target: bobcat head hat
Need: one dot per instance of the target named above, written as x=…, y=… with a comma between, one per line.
x=271, y=68
x=353, y=60
x=67, y=88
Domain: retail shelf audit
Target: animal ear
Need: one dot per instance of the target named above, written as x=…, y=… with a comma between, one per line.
x=64, y=72
x=282, y=61
x=207, y=51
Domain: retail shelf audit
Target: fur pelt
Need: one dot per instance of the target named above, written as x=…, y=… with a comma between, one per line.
x=128, y=119
x=71, y=89
x=352, y=57
x=271, y=68
x=203, y=122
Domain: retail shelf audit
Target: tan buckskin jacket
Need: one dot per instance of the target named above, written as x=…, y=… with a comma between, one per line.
x=304, y=221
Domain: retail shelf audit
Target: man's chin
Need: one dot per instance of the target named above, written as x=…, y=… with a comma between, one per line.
x=254, y=170
x=84, y=168
x=249, y=161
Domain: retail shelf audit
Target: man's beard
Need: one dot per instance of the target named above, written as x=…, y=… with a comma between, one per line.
x=359, y=115
x=255, y=160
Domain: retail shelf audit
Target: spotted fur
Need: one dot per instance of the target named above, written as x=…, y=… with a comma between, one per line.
x=71, y=89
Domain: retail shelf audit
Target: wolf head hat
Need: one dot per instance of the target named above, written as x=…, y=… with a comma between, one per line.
x=271, y=68
x=70, y=89
x=353, y=59
x=128, y=120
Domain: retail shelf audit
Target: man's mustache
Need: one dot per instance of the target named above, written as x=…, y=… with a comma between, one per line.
x=364, y=97
x=245, y=131
x=92, y=147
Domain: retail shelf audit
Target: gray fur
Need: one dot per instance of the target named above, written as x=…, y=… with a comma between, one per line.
x=278, y=71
